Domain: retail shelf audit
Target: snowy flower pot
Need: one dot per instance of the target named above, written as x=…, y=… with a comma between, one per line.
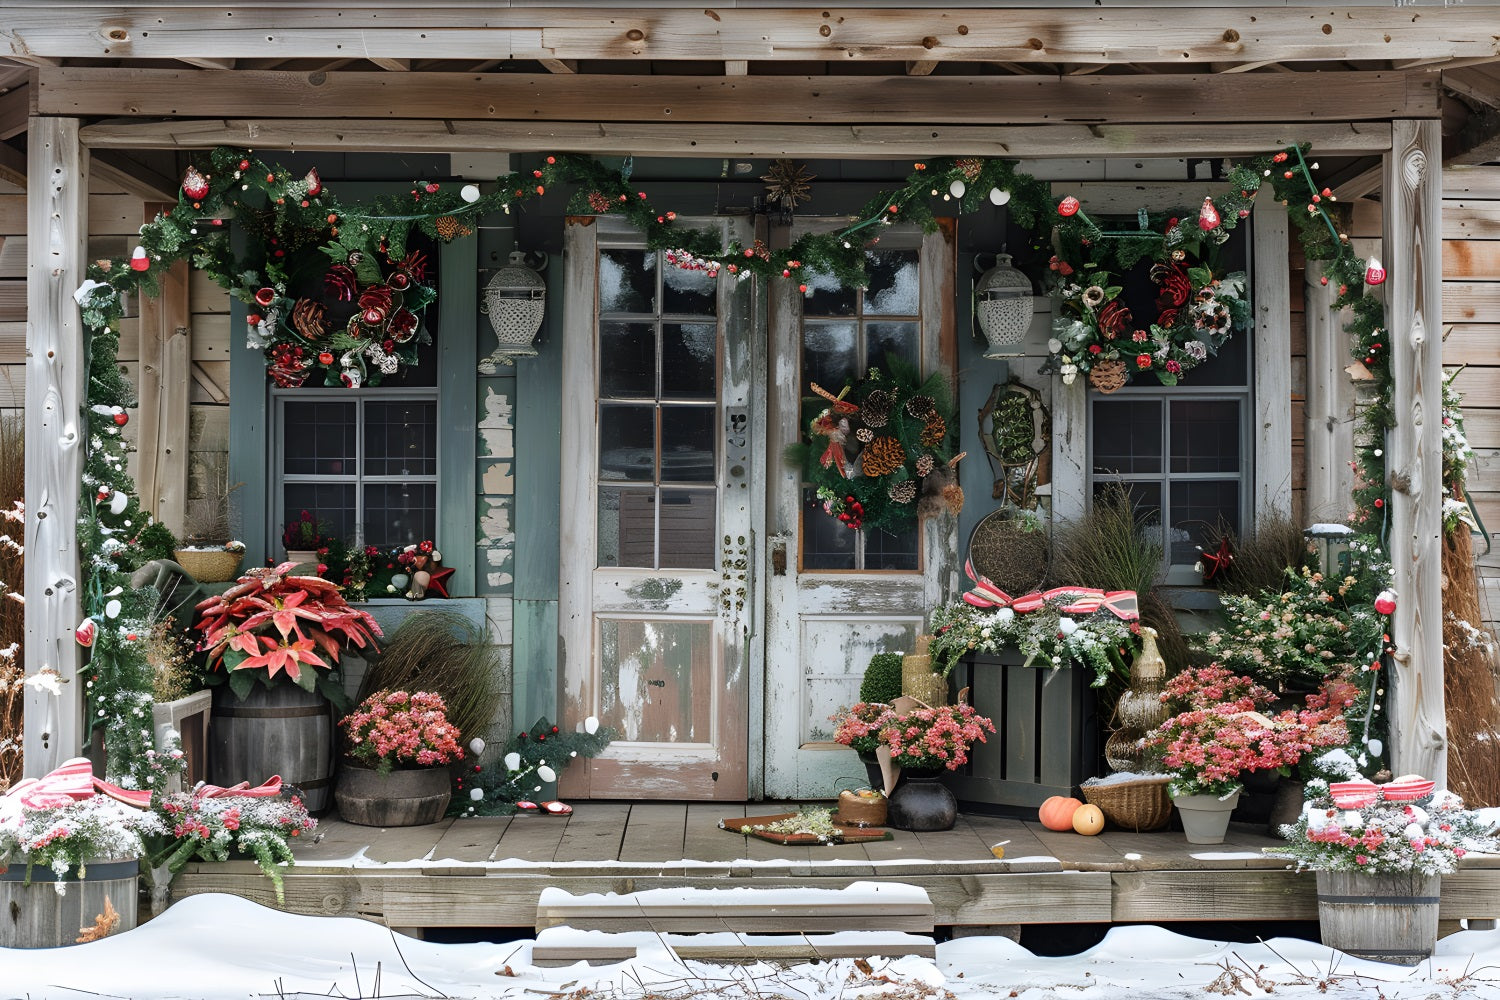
x=35, y=914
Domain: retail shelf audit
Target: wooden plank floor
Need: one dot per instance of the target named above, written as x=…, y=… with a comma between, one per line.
x=488, y=872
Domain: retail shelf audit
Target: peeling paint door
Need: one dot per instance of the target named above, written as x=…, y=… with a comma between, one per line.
x=835, y=597
x=655, y=608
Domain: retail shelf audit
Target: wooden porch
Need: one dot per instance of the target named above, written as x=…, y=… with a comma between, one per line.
x=489, y=872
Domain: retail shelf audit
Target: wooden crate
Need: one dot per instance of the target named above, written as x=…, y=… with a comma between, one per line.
x=1047, y=733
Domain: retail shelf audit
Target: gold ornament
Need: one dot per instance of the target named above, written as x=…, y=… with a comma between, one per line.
x=789, y=184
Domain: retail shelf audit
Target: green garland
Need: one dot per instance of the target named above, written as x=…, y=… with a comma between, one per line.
x=882, y=450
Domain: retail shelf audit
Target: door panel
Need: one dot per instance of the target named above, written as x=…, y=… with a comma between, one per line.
x=653, y=620
x=834, y=598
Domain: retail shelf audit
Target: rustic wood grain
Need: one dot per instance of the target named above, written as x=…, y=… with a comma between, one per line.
x=1468, y=219
x=662, y=139
x=1272, y=402
x=975, y=100
x=472, y=839
x=1474, y=259
x=1414, y=448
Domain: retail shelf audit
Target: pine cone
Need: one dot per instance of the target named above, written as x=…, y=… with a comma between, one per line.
x=934, y=431
x=920, y=406
x=969, y=166
x=884, y=456
x=924, y=465
x=308, y=318
x=876, y=411
x=904, y=491
x=864, y=435
x=448, y=228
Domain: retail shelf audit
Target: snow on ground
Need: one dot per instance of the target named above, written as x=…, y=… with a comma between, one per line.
x=218, y=946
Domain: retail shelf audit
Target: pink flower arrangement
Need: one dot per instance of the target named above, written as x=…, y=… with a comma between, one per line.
x=928, y=738
x=1215, y=687
x=396, y=728
x=859, y=727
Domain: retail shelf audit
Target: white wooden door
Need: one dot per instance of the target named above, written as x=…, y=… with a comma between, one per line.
x=835, y=597
x=655, y=608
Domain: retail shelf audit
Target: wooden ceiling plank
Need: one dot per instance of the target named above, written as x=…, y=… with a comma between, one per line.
x=1068, y=35
x=392, y=65
x=563, y=66
x=12, y=165
x=15, y=111
x=671, y=139
x=132, y=177
x=202, y=62
x=120, y=92
x=921, y=67
x=737, y=67
x=1475, y=86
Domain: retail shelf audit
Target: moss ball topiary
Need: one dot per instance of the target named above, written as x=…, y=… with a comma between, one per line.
x=882, y=681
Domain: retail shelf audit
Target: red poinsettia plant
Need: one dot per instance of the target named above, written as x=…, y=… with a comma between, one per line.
x=272, y=623
x=930, y=738
x=392, y=729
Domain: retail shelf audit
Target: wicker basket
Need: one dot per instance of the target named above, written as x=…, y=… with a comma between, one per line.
x=1133, y=805
x=920, y=681
x=209, y=565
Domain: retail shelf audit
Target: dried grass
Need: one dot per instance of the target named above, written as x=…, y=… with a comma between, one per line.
x=444, y=652
x=1469, y=671
x=12, y=611
x=1262, y=557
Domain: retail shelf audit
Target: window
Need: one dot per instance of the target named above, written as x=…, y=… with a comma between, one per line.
x=364, y=461
x=658, y=413
x=846, y=332
x=1183, y=452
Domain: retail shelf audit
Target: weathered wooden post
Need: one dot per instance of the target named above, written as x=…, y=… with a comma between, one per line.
x=1328, y=433
x=1413, y=203
x=56, y=376
x=1272, y=298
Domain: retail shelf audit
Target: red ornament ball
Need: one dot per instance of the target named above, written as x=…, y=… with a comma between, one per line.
x=1068, y=207
x=122, y=418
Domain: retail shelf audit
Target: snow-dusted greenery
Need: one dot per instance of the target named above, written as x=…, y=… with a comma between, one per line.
x=66, y=838
x=1047, y=637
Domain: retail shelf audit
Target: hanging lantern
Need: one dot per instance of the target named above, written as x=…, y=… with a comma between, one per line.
x=1331, y=544
x=1003, y=306
x=514, y=300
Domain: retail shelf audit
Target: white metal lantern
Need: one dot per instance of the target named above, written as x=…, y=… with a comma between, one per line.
x=1331, y=543
x=514, y=300
x=1003, y=304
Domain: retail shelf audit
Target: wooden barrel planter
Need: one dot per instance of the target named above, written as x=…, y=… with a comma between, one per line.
x=399, y=798
x=277, y=730
x=37, y=916
x=1387, y=918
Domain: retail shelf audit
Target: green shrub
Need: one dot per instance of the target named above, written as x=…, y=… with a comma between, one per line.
x=882, y=681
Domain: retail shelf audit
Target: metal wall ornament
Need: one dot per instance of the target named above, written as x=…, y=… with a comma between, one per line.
x=1003, y=307
x=1015, y=430
x=515, y=301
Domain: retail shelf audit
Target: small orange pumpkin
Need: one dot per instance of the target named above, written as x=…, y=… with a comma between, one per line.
x=1088, y=820
x=1057, y=813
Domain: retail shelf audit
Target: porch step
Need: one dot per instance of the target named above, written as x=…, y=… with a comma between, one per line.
x=735, y=925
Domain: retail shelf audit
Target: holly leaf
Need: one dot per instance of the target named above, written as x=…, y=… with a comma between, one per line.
x=1166, y=377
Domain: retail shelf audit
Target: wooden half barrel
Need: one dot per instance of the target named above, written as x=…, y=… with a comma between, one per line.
x=400, y=798
x=38, y=916
x=1387, y=918
x=277, y=730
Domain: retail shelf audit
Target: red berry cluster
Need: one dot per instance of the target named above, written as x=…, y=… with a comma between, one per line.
x=853, y=514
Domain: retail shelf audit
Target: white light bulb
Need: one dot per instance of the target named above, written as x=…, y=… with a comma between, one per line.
x=999, y=197
x=957, y=189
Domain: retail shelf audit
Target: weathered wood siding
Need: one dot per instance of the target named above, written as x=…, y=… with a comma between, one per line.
x=1471, y=328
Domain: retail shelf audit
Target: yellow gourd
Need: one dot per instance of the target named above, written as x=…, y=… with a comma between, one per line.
x=1088, y=820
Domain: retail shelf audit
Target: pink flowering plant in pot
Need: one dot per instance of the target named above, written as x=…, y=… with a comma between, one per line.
x=934, y=738
x=1405, y=826
x=401, y=730
x=859, y=727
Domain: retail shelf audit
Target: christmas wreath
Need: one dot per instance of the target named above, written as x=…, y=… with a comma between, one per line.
x=880, y=453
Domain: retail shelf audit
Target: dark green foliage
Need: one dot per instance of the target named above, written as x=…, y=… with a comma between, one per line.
x=544, y=745
x=882, y=682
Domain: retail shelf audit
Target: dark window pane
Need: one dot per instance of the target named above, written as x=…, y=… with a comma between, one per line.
x=827, y=296
x=1200, y=510
x=401, y=514
x=688, y=293
x=1127, y=436
x=884, y=341
x=627, y=359
x=320, y=438
x=689, y=360
x=627, y=442
x=829, y=355
x=891, y=550
x=401, y=438
x=330, y=503
x=1229, y=367
x=688, y=524
x=1205, y=435
x=687, y=444
x=1145, y=497
x=627, y=281
x=626, y=527
x=895, y=283
x=826, y=542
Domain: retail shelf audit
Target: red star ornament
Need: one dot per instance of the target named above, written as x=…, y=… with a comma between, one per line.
x=438, y=580
x=1217, y=561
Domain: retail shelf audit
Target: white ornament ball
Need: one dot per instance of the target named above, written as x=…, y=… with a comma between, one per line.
x=112, y=609
x=469, y=193
x=476, y=794
x=512, y=761
x=1376, y=747
x=400, y=580
x=476, y=746
x=957, y=189
x=118, y=501
x=999, y=197
x=546, y=773
x=591, y=725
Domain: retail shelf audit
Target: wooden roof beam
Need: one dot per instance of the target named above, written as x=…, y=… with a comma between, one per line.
x=12, y=165
x=1072, y=35
x=742, y=140
x=921, y=67
x=132, y=176
x=202, y=62
x=1478, y=87
x=392, y=65
x=737, y=67
x=15, y=111
x=564, y=66
x=988, y=100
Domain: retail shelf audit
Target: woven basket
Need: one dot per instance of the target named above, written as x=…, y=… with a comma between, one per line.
x=1107, y=376
x=209, y=565
x=1134, y=805
x=919, y=681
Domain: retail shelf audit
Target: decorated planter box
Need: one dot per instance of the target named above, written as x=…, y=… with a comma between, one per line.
x=1047, y=733
x=99, y=902
x=188, y=717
